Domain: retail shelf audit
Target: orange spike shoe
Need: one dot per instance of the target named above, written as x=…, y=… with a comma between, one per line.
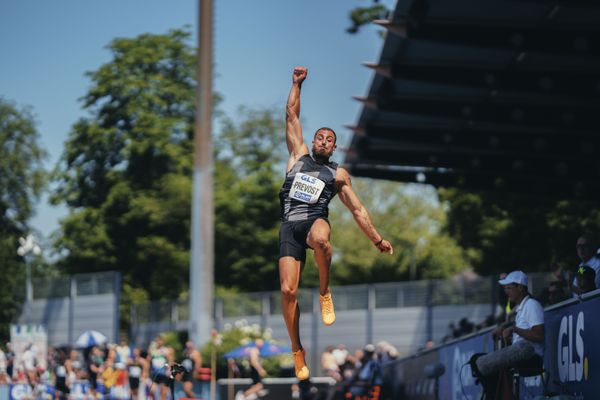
x=327, y=311
x=302, y=372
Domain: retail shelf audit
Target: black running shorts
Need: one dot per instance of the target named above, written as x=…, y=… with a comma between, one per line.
x=292, y=238
x=255, y=376
x=186, y=377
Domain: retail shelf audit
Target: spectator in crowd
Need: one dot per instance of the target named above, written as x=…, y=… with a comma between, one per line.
x=524, y=339
x=585, y=280
x=123, y=353
x=119, y=379
x=587, y=246
x=340, y=353
x=109, y=370
x=257, y=372
x=61, y=376
x=559, y=289
x=160, y=357
x=464, y=327
x=3, y=365
x=529, y=318
x=28, y=364
x=329, y=364
x=504, y=301
x=74, y=368
x=386, y=352
x=95, y=368
x=138, y=371
x=368, y=375
x=192, y=362
x=10, y=359
x=233, y=368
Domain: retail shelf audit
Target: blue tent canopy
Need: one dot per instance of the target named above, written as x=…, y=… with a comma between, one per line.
x=267, y=350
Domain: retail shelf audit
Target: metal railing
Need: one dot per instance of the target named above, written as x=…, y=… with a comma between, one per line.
x=453, y=291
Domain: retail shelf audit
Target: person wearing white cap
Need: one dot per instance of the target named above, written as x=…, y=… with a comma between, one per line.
x=529, y=321
x=524, y=340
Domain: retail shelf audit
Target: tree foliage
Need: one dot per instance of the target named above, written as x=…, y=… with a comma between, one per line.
x=361, y=16
x=126, y=175
x=502, y=232
x=22, y=178
x=248, y=174
x=125, y=172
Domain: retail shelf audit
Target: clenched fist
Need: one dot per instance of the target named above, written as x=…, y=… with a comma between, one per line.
x=299, y=74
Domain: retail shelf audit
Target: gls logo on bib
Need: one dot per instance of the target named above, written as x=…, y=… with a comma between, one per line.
x=306, y=188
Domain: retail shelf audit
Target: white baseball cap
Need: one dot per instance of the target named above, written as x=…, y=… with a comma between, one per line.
x=517, y=277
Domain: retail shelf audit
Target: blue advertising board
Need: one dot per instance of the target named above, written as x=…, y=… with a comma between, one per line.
x=571, y=360
x=457, y=382
x=19, y=391
x=572, y=356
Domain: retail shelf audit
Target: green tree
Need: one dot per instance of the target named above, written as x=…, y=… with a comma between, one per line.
x=360, y=16
x=502, y=231
x=248, y=175
x=22, y=179
x=125, y=172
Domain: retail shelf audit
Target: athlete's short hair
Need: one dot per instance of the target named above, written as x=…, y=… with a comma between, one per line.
x=325, y=128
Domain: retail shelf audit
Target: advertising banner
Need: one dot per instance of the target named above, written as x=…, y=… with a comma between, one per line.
x=572, y=357
x=458, y=383
x=30, y=345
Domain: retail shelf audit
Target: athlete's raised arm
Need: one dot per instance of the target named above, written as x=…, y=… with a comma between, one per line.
x=359, y=212
x=293, y=127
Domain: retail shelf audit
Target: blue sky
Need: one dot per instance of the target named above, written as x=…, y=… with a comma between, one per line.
x=47, y=46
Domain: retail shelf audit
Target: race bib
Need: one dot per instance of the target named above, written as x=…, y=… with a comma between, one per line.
x=306, y=188
x=158, y=363
x=135, y=371
x=187, y=364
x=61, y=371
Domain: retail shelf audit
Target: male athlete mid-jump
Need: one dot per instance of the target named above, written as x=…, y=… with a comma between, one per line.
x=311, y=181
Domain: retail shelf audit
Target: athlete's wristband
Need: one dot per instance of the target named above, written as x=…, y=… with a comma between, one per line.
x=378, y=243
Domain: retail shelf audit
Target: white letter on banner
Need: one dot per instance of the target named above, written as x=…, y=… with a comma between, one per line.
x=563, y=351
x=571, y=358
x=579, y=346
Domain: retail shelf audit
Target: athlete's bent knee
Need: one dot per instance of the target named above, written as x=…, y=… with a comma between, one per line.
x=288, y=292
x=321, y=243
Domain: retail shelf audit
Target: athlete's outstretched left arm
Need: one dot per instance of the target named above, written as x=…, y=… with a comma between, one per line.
x=359, y=212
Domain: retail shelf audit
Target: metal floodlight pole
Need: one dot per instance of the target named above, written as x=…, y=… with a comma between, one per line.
x=202, y=226
x=28, y=245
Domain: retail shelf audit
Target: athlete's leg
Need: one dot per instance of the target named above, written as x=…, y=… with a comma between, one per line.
x=318, y=240
x=289, y=278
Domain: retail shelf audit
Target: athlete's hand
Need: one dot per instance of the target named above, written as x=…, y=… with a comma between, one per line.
x=385, y=247
x=299, y=74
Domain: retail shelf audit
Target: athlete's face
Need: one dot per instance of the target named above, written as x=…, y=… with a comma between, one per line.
x=323, y=143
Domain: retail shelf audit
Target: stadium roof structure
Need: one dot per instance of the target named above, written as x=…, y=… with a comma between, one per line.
x=485, y=95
